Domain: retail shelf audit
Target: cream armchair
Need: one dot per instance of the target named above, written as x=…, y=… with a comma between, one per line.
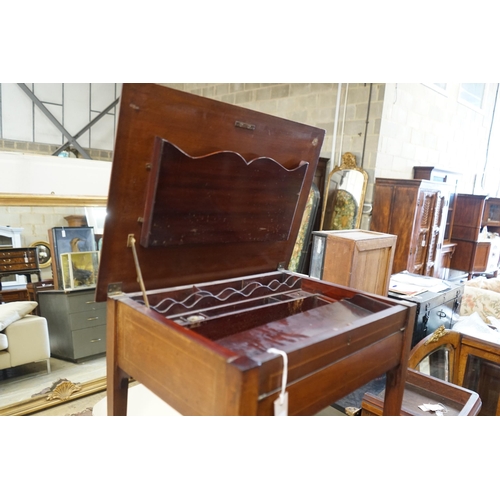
x=26, y=340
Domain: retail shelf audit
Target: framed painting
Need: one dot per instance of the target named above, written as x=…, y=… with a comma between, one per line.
x=68, y=240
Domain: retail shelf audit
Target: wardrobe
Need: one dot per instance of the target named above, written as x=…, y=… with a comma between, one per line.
x=416, y=211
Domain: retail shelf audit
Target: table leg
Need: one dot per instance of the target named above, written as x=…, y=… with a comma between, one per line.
x=394, y=391
x=396, y=378
x=117, y=392
x=117, y=379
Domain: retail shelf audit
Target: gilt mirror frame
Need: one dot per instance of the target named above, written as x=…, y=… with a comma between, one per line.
x=348, y=164
x=33, y=405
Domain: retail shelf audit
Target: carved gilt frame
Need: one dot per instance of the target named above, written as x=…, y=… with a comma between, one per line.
x=28, y=406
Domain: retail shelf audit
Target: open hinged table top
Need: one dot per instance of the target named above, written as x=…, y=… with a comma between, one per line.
x=208, y=190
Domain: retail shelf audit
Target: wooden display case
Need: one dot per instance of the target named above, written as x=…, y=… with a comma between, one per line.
x=423, y=389
x=355, y=258
x=79, y=270
x=204, y=208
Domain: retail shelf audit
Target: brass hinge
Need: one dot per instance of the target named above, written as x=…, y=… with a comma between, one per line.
x=115, y=289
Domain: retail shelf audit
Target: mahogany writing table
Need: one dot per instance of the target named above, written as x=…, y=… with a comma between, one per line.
x=204, y=208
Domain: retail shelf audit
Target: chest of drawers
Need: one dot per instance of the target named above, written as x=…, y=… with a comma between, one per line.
x=18, y=259
x=77, y=323
x=22, y=261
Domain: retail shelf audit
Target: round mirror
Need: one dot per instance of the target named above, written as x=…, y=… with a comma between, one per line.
x=44, y=253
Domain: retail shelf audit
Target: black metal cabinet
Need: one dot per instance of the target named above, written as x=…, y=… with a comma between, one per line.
x=434, y=309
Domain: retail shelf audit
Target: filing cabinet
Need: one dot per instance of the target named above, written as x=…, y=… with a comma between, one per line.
x=77, y=323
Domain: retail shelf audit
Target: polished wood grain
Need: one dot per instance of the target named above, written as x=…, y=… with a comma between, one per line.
x=344, y=342
x=218, y=199
x=359, y=259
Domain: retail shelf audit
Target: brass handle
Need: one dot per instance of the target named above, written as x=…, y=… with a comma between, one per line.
x=92, y=319
x=95, y=340
x=90, y=302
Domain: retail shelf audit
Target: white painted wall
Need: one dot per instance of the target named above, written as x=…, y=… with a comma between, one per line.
x=38, y=174
x=421, y=126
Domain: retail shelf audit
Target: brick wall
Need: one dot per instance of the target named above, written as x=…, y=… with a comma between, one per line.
x=314, y=104
x=421, y=126
x=310, y=103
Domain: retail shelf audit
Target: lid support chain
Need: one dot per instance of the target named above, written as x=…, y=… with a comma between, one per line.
x=131, y=244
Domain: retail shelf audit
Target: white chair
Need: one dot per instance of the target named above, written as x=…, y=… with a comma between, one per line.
x=25, y=341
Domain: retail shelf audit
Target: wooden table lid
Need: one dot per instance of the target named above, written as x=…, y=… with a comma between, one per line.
x=208, y=190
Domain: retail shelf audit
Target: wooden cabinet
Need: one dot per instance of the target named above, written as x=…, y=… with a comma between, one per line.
x=451, y=178
x=415, y=211
x=14, y=294
x=77, y=323
x=354, y=258
x=475, y=252
x=18, y=262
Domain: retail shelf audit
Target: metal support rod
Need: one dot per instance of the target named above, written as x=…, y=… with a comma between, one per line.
x=331, y=164
x=131, y=244
x=87, y=127
x=53, y=119
x=366, y=126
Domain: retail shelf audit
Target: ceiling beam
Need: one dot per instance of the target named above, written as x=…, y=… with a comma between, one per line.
x=87, y=127
x=53, y=119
